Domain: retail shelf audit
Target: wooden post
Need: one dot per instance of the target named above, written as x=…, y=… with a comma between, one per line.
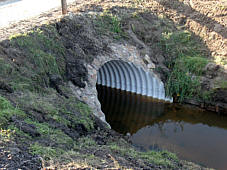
x=64, y=6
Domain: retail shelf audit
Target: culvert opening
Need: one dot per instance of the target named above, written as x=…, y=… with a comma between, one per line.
x=153, y=125
x=128, y=77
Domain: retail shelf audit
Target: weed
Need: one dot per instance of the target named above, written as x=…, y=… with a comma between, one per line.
x=181, y=83
x=186, y=63
x=108, y=22
x=195, y=64
x=206, y=95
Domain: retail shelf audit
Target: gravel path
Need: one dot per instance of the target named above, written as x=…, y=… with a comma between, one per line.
x=16, y=10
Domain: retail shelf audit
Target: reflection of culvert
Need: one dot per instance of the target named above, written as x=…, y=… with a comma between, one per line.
x=126, y=76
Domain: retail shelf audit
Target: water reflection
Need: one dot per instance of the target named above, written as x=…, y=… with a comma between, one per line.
x=193, y=134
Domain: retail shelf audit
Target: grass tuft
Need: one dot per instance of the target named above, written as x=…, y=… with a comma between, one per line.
x=107, y=23
x=7, y=111
x=162, y=158
x=186, y=64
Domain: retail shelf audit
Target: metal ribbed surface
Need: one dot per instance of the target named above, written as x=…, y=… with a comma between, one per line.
x=126, y=76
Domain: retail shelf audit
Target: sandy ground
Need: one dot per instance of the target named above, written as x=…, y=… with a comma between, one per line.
x=17, y=10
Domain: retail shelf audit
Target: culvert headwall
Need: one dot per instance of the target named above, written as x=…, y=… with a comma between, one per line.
x=126, y=76
x=124, y=68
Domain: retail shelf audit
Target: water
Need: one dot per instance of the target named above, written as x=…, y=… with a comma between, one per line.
x=191, y=133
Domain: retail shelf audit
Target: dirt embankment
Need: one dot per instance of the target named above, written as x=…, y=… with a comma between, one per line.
x=45, y=125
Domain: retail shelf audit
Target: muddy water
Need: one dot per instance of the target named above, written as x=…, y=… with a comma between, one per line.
x=193, y=134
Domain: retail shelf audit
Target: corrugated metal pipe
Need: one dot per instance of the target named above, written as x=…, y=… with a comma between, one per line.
x=126, y=76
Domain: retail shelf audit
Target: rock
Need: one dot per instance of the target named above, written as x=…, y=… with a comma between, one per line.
x=160, y=59
x=151, y=66
x=55, y=80
x=56, y=83
x=211, y=70
x=211, y=67
x=221, y=95
x=100, y=140
x=192, y=102
x=147, y=58
x=182, y=20
x=99, y=124
x=205, y=82
x=212, y=36
x=217, y=27
x=128, y=134
x=14, y=150
x=77, y=72
x=80, y=129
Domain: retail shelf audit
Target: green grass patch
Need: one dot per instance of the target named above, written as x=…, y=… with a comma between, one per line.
x=69, y=111
x=7, y=111
x=72, y=106
x=86, y=118
x=43, y=128
x=107, y=23
x=65, y=153
x=20, y=133
x=186, y=63
x=194, y=64
x=162, y=158
x=12, y=74
x=54, y=135
x=44, y=55
x=46, y=152
x=58, y=142
x=84, y=142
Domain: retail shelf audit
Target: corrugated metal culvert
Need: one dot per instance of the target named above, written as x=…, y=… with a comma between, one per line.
x=126, y=76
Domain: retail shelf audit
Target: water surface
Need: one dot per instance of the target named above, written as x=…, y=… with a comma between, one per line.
x=193, y=134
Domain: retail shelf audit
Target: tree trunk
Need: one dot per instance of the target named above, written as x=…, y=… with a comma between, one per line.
x=64, y=6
